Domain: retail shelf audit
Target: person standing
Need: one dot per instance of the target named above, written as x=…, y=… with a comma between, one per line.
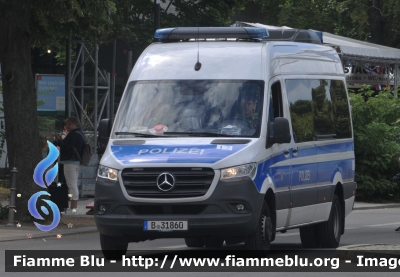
x=70, y=147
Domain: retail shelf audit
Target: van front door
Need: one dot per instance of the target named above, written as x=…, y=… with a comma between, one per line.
x=280, y=168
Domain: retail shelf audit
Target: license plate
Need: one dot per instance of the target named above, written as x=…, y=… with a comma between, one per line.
x=165, y=226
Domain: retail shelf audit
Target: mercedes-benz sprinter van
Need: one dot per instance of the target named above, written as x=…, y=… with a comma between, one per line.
x=228, y=135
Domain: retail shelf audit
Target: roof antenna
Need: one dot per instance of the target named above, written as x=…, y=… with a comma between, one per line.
x=197, y=66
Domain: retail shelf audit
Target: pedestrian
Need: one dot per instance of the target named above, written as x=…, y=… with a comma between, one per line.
x=397, y=179
x=59, y=190
x=70, y=147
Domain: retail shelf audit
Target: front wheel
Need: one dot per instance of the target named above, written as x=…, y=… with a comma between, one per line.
x=262, y=236
x=309, y=236
x=331, y=230
x=113, y=247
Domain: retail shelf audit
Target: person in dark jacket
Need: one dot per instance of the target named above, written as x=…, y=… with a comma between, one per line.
x=71, y=148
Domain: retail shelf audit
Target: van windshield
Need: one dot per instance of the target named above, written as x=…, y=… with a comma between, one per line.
x=190, y=108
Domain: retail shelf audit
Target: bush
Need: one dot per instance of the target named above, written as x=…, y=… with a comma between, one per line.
x=376, y=119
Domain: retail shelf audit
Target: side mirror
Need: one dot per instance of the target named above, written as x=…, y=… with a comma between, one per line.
x=104, y=131
x=281, y=130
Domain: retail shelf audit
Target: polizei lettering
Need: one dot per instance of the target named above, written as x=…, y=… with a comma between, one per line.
x=193, y=151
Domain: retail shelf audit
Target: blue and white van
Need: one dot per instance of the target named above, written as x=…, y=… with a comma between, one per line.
x=228, y=134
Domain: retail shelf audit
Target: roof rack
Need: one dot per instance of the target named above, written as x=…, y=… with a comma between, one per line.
x=297, y=35
x=186, y=33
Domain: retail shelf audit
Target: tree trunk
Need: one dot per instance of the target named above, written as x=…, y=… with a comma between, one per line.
x=376, y=22
x=19, y=99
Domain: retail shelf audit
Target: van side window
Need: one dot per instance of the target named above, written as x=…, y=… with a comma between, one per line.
x=322, y=109
x=341, y=109
x=318, y=109
x=301, y=109
x=275, y=109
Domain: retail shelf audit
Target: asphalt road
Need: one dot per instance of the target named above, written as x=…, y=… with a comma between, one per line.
x=375, y=226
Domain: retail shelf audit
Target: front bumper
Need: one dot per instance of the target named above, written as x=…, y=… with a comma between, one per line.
x=216, y=216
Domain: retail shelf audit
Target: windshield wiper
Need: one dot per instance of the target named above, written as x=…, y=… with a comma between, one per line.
x=199, y=134
x=137, y=134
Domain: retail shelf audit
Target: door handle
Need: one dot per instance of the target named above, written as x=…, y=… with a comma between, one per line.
x=286, y=152
x=295, y=151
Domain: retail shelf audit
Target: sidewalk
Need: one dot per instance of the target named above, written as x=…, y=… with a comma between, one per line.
x=71, y=223
x=85, y=224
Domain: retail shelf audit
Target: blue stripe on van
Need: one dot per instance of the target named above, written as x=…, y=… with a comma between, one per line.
x=320, y=172
x=133, y=154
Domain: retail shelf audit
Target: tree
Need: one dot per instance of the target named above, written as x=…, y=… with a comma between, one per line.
x=376, y=21
x=376, y=139
x=19, y=96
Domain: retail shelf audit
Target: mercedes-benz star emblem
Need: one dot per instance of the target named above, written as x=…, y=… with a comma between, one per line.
x=165, y=181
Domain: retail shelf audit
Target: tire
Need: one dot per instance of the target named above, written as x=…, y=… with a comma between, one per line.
x=213, y=242
x=194, y=242
x=309, y=236
x=113, y=247
x=330, y=231
x=262, y=236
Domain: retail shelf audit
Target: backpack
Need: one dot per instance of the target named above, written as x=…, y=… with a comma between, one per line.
x=87, y=153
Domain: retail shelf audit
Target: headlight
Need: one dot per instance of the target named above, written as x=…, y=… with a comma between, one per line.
x=108, y=173
x=239, y=171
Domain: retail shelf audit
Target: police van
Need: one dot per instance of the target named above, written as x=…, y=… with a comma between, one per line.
x=228, y=135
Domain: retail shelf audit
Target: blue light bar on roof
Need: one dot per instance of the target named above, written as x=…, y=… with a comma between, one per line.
x=185, y=33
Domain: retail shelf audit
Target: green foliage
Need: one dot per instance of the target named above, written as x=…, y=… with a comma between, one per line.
x=376, y=21
x=376, y=138
x=103, y=21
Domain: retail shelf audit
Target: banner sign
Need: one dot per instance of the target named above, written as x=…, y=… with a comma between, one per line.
x=368, y=74
x=51, y=89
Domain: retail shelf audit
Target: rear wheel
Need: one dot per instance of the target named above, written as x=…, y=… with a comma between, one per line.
x=309, y=236
x=213, y=242
x=194, y=242
x=330, y=231
x=262, y=236
x=113, y=247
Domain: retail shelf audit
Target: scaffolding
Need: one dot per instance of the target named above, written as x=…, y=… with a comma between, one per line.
x=89, y=99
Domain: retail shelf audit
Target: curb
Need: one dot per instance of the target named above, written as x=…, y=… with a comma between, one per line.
x=377, y=207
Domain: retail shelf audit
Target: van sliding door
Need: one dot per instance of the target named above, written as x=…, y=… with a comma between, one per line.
x=304, y=166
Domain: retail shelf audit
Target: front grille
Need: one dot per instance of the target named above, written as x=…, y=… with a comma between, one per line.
x=189, y=182
x=167, y=210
